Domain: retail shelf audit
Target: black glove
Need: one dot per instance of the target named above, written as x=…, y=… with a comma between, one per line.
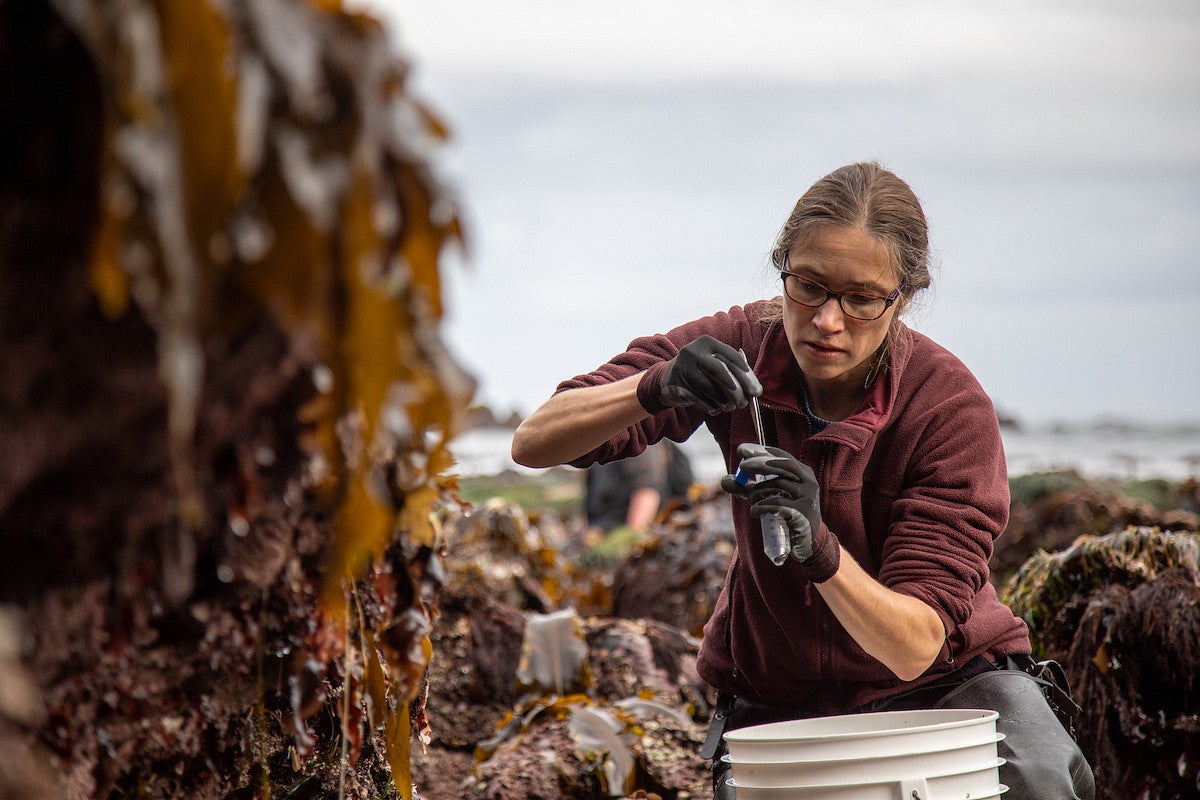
x=710, y=374
x=788, y=488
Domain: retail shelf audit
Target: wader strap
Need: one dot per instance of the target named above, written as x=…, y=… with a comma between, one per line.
x=1052, y=679
x=716, y=728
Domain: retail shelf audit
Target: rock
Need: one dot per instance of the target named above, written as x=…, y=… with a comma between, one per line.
x=640, y=673
x=1050, y=510
x=1121, y=613
x=678, y=573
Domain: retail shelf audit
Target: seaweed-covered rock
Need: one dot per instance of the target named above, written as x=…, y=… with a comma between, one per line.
x=1052, y=590
x=1049, y=510
x=645, y=658
x=676, y=575
x=443, y=774
x=471, y=679
x=538, y=764
x=497, y=550
x=1121, y=613
x=487, y=695
x=576, y=749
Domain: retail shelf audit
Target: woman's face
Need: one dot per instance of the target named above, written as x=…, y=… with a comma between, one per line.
x=833, y=349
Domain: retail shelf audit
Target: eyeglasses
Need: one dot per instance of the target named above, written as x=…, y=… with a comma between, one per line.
x=862, y=307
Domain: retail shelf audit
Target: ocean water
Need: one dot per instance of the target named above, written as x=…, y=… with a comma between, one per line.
x=1097, y=451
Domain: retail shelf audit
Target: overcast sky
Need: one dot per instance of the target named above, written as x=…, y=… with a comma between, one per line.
x=625, y=166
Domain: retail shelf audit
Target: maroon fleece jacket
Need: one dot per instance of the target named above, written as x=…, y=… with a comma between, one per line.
x=914, y=486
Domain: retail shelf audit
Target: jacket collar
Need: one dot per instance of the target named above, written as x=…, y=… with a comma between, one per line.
x=781, y=378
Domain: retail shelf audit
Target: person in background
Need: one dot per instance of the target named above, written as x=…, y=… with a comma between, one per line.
x=884, y=463
x=630, y=492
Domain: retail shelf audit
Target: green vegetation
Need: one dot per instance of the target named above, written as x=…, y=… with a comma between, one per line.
x=1160, y=493
x=556, y=491
x=1157, y=492
x=608, y=551
x=1034, y=486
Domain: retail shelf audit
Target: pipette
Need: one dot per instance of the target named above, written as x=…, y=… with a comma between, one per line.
x=777, y=540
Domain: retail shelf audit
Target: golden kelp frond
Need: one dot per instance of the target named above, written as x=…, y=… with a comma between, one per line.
x=264, y=159
x=601, y=737
x=266, y=156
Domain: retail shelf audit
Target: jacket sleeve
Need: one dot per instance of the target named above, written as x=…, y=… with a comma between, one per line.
x=651, y=353
x=953, y=506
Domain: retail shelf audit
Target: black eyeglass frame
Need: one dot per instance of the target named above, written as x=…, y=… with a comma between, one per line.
x=887, y=301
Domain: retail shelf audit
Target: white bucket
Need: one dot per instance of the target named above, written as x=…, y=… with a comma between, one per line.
x=962, y=758
x=916, y=789
x=935, y=754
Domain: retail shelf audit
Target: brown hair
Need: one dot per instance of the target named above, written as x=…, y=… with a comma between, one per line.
x=866, y=196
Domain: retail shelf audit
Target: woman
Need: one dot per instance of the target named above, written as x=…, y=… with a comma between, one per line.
x=884, y=461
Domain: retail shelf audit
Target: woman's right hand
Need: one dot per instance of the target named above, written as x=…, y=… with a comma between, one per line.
x=705, y=372
x=710, y=374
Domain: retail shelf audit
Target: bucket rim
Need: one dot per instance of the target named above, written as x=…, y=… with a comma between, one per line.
x=998, y=762
x=765, y=732
x=998, y=790
x=728, y=758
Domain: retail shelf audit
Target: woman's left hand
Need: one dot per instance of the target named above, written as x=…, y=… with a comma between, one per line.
x=787, y=487
x=901, y=631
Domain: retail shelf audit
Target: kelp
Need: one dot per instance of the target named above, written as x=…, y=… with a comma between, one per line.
x=1050, y=590
x=1121, y=613
x=267, y=157
x=497, y=547
x=263, y=165
x=1049, y=510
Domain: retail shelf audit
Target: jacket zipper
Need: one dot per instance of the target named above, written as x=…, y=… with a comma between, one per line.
x=826, y=624
x=826, y=632
x=729, y=629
